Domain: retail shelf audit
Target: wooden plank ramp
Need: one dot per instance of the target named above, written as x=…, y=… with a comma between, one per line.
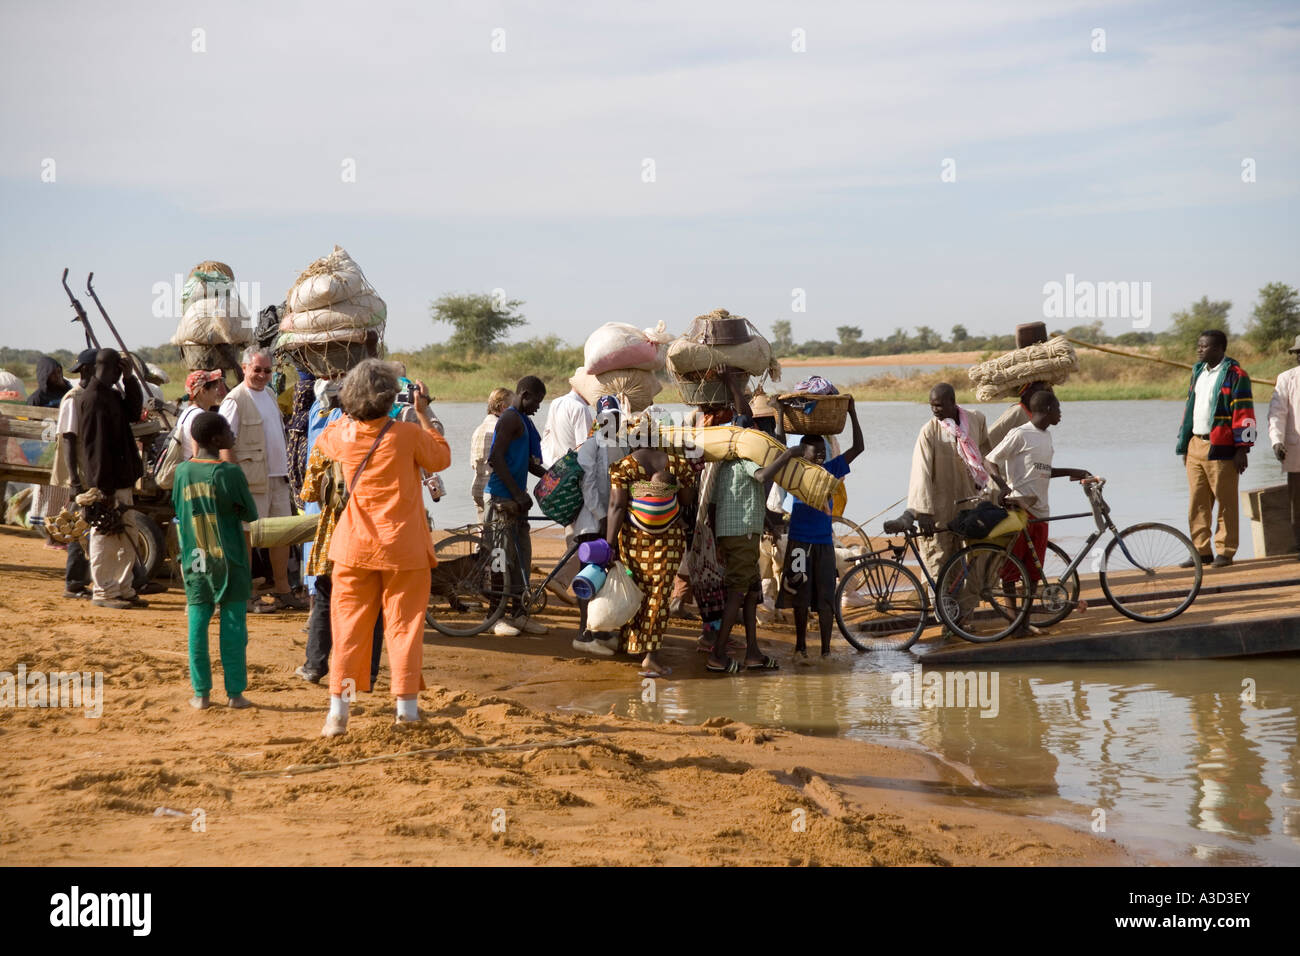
x=1251, y=608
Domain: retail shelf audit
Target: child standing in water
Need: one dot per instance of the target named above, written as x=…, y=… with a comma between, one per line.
x=212, y=501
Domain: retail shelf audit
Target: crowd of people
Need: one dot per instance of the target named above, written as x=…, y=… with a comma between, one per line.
x=360, y=450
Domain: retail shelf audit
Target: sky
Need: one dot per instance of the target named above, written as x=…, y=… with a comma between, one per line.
x=902, y=164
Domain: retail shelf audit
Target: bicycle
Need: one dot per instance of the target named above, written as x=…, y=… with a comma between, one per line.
x=1139, y=571
x=880, y=603
x=472, y=577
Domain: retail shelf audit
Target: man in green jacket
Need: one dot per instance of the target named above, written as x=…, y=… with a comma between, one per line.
x=1217, y=431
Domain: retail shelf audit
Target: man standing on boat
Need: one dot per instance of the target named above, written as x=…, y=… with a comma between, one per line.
x=1217, y=432
x=947, y=465
x=1284, y=433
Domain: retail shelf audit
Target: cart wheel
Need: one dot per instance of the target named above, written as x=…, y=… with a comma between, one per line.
x=150, y=544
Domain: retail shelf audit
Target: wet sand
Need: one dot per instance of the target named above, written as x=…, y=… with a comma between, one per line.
x=575, y=788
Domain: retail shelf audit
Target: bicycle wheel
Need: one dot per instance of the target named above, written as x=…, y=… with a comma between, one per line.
x=983, y=593
x=849, y=534
x=1140, y=573
x=463, y=582
x=1055, y=596
x=880, y=605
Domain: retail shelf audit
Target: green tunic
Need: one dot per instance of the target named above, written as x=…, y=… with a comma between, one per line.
x=212, y=501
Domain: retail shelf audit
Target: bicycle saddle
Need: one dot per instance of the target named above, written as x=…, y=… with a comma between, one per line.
x=902, y=523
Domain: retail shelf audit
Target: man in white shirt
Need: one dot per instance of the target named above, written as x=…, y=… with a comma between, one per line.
x=1284, y=433
x=568, y=423
x=261, y=452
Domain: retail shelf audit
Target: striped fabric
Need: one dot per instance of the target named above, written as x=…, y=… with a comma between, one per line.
x=653, y=513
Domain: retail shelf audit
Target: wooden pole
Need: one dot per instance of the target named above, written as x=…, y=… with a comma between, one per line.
x=1150, y=358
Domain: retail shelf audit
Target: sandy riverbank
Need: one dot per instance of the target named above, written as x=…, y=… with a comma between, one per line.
x=84, y=791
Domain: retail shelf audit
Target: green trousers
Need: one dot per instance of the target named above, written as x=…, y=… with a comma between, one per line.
x=234, y=644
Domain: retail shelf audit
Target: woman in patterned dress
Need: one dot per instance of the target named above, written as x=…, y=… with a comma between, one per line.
x=647, y=491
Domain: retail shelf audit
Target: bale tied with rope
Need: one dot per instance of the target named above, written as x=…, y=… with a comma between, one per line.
x=1052, y=361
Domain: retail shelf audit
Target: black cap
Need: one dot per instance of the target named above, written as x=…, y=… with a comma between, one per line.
x=85, y=360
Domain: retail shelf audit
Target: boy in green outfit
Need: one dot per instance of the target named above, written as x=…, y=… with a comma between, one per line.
x=212, y=501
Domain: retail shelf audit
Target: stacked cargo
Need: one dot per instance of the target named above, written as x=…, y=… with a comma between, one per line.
x=622, y=360
x=214, y=326
x=714, y=344
x=333, y=317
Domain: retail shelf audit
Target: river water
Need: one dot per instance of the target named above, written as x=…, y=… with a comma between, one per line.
x=1167, y=755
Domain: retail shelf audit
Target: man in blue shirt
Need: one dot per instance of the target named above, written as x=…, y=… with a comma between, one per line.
x=809, y=575
x=516, y=452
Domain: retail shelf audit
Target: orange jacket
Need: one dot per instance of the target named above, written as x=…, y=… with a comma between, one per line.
x=384, y=526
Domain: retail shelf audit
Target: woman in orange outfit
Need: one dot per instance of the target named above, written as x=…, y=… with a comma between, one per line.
x=381, y=547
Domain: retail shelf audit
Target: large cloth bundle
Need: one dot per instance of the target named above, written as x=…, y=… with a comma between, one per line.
x=334, y=317
x=333, y=278
x=698, y=356
x=585, y=384
x=213, y=313
x=810, y=483
x=365, y=311
x=617, y=345
x=1003, y=377
x=634, y=388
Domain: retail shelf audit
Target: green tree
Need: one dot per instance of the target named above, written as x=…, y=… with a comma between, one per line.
x=927, y=339
x=481, y=321
x=848, y=334
x=782, y=336
x=959, y=334
x=1187, y=325
x=1092, y=332
x=1276, y=320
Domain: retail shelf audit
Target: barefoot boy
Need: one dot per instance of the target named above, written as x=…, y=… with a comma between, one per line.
x=212, y=500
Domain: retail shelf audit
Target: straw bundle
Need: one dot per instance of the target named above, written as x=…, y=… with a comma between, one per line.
x=1003, y=377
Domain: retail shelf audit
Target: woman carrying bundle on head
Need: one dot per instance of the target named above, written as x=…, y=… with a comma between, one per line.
x=648, y=490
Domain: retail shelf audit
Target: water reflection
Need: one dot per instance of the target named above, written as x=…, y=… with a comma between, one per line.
x=1169, y=750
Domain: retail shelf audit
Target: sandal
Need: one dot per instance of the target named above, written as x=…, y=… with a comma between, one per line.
x=654, y=672
x=278, y=602
x=767, y=664
x=731, y=667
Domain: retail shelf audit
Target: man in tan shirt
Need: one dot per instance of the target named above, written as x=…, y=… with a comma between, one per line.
x=946, y=460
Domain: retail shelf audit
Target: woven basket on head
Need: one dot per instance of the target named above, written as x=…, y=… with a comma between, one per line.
x=826, y=417
x=713, y=392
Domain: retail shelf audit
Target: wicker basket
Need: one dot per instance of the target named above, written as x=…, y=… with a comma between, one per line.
x=223, y=356
x=704, y=393
x=826, y=417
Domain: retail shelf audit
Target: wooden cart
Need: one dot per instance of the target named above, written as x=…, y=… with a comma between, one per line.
x=27, y=442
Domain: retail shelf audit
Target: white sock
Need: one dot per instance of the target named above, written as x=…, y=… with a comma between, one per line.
x=338, y=708
x=408, y=709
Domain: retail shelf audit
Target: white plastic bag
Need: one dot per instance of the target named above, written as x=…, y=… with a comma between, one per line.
x=617, y=603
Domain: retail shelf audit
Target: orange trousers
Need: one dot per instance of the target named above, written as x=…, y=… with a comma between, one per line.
x=355, y=604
